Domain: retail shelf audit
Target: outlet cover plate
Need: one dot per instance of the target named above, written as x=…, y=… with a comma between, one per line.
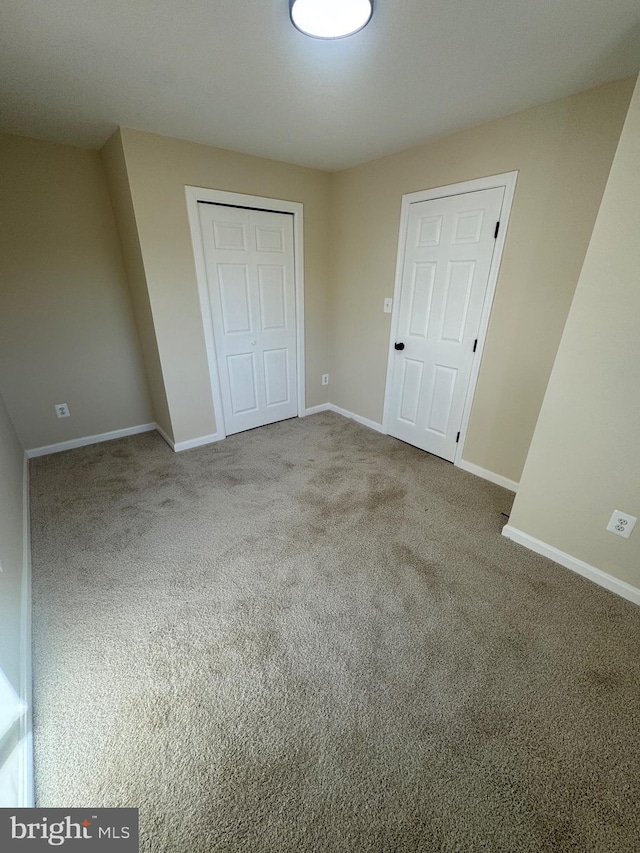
x=62, y=410
x=621, y=524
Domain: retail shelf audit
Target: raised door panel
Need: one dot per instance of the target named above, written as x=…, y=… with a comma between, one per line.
x=273, y=297
x=421, y=296
x=467, y=227
x=276, y=372
x=442, y=397
x=428, y=231
x=230, y=236
x=455, y=305
x=270, y=238
x=233, y=284
x=241, y=370
x=410, y=390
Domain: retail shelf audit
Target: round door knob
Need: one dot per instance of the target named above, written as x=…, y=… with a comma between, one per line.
x=399, y=345
x=253, y=343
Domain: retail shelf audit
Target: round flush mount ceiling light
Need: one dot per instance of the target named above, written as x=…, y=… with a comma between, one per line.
x=330, y=19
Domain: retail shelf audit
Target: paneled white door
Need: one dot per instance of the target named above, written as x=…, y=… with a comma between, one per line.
x=250, y=276
x=447, y=259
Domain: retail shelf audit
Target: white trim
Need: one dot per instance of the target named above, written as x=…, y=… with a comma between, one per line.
x=123, y=433
x=613, y=584
x=25, y=745
x=353, y=417
x=331, y=407
x=197, y=442
x=179, y=446
x=315, y=410
x=498, y=479
x=88, y=439
x=193, y=196
x=506, y=180
x=165, y=436
x=492, y=477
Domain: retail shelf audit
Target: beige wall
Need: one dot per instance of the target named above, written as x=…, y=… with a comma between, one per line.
x=584, y=460
x=11, y=548
x=563, y=151
x=158, y=169
x=67, y=333
x=120, y=193
x=66, y=325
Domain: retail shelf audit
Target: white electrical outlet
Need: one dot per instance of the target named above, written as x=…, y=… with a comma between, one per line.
x=325, y=378
x=621, y=524
x=388, y=302
x=62, y=410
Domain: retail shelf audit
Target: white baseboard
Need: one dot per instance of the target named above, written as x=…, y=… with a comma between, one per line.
x=498, y=479
x=331, y=407
x=166, y=437
x=315, y=410
x=25, y=745
x=178, y=446
x=613, y=584
x=88, y=439
x=357, y=418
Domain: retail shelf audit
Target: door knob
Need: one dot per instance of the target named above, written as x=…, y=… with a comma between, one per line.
x=399, y=345
x=253, y=343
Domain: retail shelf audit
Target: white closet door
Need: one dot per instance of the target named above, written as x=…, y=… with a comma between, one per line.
x=250, y=275
x=447, y=259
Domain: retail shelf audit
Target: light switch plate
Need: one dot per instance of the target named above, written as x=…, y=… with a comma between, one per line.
x=388, y=303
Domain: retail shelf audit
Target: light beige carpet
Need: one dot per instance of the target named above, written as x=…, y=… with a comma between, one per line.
x=311, y=637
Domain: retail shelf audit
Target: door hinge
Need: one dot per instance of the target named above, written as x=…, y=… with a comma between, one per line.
x=475, y=345
x=457, y=438
x=495, y=233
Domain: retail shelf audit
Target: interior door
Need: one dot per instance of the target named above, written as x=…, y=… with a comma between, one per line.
x=447, y=258
x=250, y=276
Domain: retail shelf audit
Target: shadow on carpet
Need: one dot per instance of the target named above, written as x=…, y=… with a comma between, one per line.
x=312, y=637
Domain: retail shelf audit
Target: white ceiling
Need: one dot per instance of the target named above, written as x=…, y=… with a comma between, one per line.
x=236, y=74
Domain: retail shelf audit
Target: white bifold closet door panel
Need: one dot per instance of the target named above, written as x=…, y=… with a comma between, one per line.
x=250, y=275
x=447, y=260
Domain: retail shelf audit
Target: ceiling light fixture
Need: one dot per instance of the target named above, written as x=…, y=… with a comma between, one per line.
x=330, y=19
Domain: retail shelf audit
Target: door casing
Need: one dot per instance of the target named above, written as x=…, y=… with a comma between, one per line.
x=506, y=180
x=194, y=195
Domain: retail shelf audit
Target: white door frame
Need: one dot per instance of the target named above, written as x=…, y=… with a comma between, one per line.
x=506, y=180
x=198, y=194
